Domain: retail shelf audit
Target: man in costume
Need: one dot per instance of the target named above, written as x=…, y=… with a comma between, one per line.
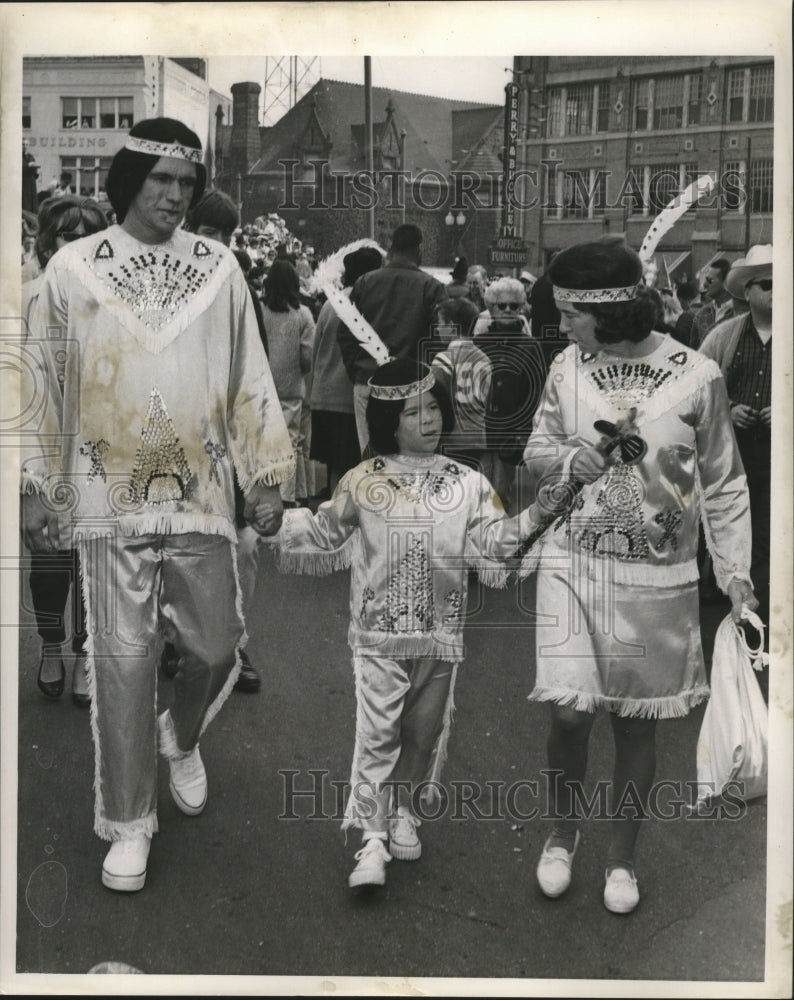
x=157, y=390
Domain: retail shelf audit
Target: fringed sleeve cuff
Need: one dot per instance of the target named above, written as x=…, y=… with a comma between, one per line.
x=304, y=547
x=279, y=471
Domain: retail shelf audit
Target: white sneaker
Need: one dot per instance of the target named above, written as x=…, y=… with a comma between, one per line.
x=371, y=867
x=554, y=868
x=404, y=843
x=124, y=868
x=621, y=894
x=188, y=780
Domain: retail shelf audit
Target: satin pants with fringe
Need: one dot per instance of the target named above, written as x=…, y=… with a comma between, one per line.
x=403, y=716
x=139, y=590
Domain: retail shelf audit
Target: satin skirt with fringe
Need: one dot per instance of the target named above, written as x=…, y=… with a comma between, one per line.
x=631, y=649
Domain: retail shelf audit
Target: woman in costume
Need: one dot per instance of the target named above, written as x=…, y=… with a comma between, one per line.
x=409, y=523
x=636, y=427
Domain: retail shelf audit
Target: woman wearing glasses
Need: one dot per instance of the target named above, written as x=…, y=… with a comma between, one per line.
x=61, y=220
x=637, y=428
x=518, y=371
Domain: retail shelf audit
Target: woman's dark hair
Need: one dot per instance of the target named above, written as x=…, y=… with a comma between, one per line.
x=214, y=209
x=383, y=415
x=63, y=215
x=461, y=312
x=607, y=265
x=282, y=287
x=129, y=169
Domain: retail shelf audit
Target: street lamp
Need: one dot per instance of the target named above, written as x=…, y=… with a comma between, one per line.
x=455, y=224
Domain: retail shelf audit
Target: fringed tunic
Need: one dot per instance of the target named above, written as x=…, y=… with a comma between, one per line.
x=410, y=530
x=617, y=594
x=157, y=386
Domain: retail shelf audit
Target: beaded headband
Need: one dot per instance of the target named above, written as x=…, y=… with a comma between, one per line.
x=402, y=391
x=174, y=149
x=597, y=294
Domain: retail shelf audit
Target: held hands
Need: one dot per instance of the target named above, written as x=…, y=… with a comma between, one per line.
x=740, y=592
x=264, y=510
x=39, y=525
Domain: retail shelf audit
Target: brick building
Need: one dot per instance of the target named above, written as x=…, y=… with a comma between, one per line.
x=77, y=110
x=418, y=142
x=607, y=142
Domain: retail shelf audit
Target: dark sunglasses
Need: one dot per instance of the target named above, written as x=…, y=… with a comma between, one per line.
x=71, y=237
x=512, y=306
x=765, y=284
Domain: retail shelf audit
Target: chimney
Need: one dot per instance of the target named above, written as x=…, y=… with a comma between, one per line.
x=245, y=146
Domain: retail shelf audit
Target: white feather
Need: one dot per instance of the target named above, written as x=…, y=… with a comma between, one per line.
x=669, y=215
x=357, y=325
x=331, y=269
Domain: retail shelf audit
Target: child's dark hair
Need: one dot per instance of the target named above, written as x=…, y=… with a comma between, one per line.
x=383, y=415
x=460, y=312
x=607, y=265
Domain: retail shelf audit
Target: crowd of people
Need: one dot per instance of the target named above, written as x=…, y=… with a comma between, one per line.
x=214, y=389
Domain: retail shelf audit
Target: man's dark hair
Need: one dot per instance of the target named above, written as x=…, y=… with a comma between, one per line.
x=686, y=292
x=461, y=312
x=129, y=169
x=214, y=209
x=721, y=264
x=406, y=238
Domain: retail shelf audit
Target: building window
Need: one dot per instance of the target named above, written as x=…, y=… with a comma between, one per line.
x=579, y=111
x=89, y=174
x=694, y=98
x=602, y=118
x=761, y=186
x=576, y=194
x=96, y=112
x=668, y=102
x=554, y=124
x=640, y=104
x=751, y=94
x=761, y=107
x=733, y=186
x=25, y=112
x=664, y=183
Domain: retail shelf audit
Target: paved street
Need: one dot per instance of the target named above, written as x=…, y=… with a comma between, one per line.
x=240, y=891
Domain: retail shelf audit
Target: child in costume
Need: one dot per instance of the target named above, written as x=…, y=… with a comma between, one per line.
x=409, y=523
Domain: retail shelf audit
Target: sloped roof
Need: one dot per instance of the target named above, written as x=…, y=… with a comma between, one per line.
x=470, y=126
x=339, y=106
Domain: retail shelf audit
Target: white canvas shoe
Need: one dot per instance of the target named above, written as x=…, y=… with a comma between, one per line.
x=371, y=867
x=124, y=868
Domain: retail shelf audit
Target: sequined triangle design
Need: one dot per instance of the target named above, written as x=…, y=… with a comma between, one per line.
x=409, y=597
x=161, y=473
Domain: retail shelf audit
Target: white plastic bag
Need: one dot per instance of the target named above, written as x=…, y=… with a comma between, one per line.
x=732, y=745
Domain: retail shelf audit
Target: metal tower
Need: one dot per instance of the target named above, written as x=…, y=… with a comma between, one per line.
x=287, y=79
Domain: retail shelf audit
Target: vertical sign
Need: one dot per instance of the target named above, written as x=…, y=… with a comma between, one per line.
x=511, y=146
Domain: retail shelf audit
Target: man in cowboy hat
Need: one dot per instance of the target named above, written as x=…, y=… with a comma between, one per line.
x=157, y=390
x=742, y=347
